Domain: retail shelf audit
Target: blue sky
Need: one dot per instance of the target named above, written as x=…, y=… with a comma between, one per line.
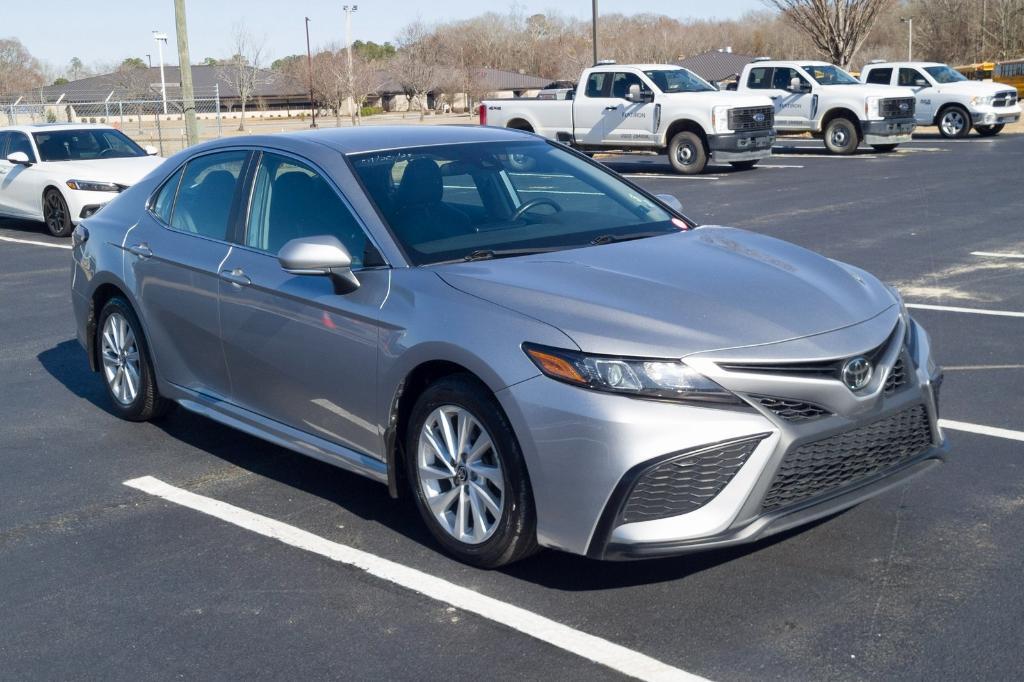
x=102, y=32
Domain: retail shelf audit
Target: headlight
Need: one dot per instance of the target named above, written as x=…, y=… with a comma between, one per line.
x=664, y=379
x=871, y=107
x=982, y=101
x=720, y=119
x=94, y=186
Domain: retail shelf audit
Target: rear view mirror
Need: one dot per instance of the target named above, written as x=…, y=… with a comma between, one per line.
x=671, y=201
x=19, y=159
x=323, y=255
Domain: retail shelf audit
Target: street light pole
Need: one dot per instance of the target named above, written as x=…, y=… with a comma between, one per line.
x=160, y=39
x=909, y=21
x=309, y=70
x=149, y=58
x=188, y=95
x=593, y=29
x=348, y=47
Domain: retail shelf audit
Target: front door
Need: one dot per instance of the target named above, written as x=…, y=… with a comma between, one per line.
x=632, y=123
x=298, y=353
x=924, y=109
x=794, y=109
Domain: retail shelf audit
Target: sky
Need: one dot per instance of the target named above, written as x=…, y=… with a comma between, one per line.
x=110, y=30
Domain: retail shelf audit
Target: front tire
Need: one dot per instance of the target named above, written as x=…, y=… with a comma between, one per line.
x=990, y=131
x=468, y=475
x=56, y=214
x=686, y=153
x=125, y=364
x=884, y=148
x=841, y=137
x=954, y=123
x=744, y=165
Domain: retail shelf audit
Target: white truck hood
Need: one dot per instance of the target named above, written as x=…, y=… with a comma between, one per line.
x=722, y=98
x=973, y=88
x=865, y=90
x=125, y=171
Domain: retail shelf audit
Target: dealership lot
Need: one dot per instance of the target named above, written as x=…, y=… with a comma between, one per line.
x=104, y=580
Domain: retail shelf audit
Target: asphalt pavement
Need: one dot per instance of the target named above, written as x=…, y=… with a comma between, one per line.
x=102, y=581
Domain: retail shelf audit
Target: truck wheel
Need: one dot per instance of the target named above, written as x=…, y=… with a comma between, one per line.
x=841, y=137
x=686, y=153
x=744, y=165
x=989, y=131
x=954, y=122
x=884, y=148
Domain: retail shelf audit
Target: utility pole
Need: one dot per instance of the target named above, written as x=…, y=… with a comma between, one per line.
x=593, y=30
x=185, y=66
x=309, y=69
x=348, y=46
x=909, y=21
x=160, y=39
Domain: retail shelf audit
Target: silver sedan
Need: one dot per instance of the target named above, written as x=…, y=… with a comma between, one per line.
x=538, y=351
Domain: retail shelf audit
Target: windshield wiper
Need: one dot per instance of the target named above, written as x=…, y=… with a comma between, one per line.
x=489, y=254
x=613, y=238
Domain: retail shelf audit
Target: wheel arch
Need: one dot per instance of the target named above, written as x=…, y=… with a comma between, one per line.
x=520, y=123
x=102, y=291
x=687, y=125
x=842, y=112
x=946, y=107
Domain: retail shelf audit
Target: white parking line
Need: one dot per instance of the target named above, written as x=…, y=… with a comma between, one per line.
x=601, y=651
x=666, y=175
x=982, y=429
x=35, y=243
x=764, y=165
x=994, y=254
x=957, y=309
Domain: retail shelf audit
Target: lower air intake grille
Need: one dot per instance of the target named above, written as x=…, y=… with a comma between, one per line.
x=830, y=463
x=687, y=482
x=897, y=378
x=791, y=410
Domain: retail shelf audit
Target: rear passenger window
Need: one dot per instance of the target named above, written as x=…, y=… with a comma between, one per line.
x=880, y=76
x=165, y=198
x=597, y=84
x=206, y=193
x=760, y=78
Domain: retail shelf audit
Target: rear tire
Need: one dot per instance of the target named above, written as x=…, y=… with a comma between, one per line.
x=56, y=214
x=686, y=153
x=125, y=364
x=473, y=473
x=954, y=123
x=989, y=131
x=841, y=137
x=744, y=165
x=884, y=148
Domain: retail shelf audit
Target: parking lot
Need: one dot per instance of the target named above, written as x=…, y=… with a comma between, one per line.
x=102, y=580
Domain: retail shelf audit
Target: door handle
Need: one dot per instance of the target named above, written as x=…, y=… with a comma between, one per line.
x=140, y=250
x=611, y=107
x=236, y=277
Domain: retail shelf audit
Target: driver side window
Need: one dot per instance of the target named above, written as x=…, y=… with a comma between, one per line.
x=784, y=76
x=908, y=76
x=622, y=81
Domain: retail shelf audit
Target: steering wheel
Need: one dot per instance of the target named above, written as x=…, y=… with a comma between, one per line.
x=534, y=203
x=108, y=150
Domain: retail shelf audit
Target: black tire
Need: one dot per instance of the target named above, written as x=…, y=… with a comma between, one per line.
x=147, y=403
x=884, y=148
x=56, y=214
x=954, y=122
x=515, y=536
x=744, y=165
x=989, y=131
x=686, y=153
x=841, y=136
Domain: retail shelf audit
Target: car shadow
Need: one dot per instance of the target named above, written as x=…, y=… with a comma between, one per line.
x=34, y=227
x=66, y=362
x=661, y=166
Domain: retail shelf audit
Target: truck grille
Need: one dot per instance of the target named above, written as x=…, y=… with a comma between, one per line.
x=830, y=463
x=1005, y=99
x=791, y=410
x=687, y=482
x=896, y=107
x=751, y=118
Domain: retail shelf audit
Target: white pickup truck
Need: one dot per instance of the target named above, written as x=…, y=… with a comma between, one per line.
x=822, y=99
x=945, y=98
x=644, y=108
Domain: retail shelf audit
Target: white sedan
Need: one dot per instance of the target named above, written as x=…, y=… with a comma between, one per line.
x=63, y=173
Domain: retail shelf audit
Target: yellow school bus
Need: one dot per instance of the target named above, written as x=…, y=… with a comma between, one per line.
x=979, y=71
x=1011, y=72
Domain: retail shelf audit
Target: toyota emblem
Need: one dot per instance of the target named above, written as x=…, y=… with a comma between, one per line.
x=857, y=373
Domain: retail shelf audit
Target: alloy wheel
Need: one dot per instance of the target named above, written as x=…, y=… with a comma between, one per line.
x=952, y=122
x=120, y=354
x=460, y=474
x=56, y=213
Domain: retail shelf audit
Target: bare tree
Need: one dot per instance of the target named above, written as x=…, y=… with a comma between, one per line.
x=415, y=65
x=367, y=79
x=19, y=70
x=837, y=28
x=244, y=71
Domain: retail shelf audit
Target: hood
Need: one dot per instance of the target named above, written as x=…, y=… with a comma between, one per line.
x=670, y=296
x=724, y=98
x=126, y=171
x=974, y=88
x=866, y=90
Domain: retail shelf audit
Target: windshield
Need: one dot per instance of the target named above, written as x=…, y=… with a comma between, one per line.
x=830, y=75
x=495, y=199
x=85, y=145
x=944, y=74
x=678, y=80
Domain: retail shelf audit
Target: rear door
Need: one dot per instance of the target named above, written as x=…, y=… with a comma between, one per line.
x=592, y=108
x=298, y=353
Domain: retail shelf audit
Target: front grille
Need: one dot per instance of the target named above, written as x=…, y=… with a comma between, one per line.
x=791, y=410
x=746, y=118
x=1005, y=99
x=830, y=463
x=685, y=483
x=893, y=107
x=897, y=378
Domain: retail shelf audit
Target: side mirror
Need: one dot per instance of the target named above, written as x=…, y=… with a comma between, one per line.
x=671, y=201
x=798, y=85
x=920, y=82
x=19, y=159
x=324, y=256
x=634, y=93
x=151, y=150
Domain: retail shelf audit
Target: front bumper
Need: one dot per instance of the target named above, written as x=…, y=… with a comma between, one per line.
x=82, y=204
x=743, y=146
x=585, y=451
x=888, y=131
x=989, y=116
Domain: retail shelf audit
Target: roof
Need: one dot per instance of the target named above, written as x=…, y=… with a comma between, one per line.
x=899, y=64
x=794, y=62
x=38, y=127
x=491, y=80
x=716, y=65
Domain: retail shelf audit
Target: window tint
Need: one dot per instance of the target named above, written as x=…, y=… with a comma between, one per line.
x=597, y=84
x=908, y=76
x=3, y=144
x=880, y=76
x=290, y=201
x=19, y=142
x=622, y=81
x=206, y=193
x=165, y=198
x=85, y=144
x=760, y=78
x=784, y=76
